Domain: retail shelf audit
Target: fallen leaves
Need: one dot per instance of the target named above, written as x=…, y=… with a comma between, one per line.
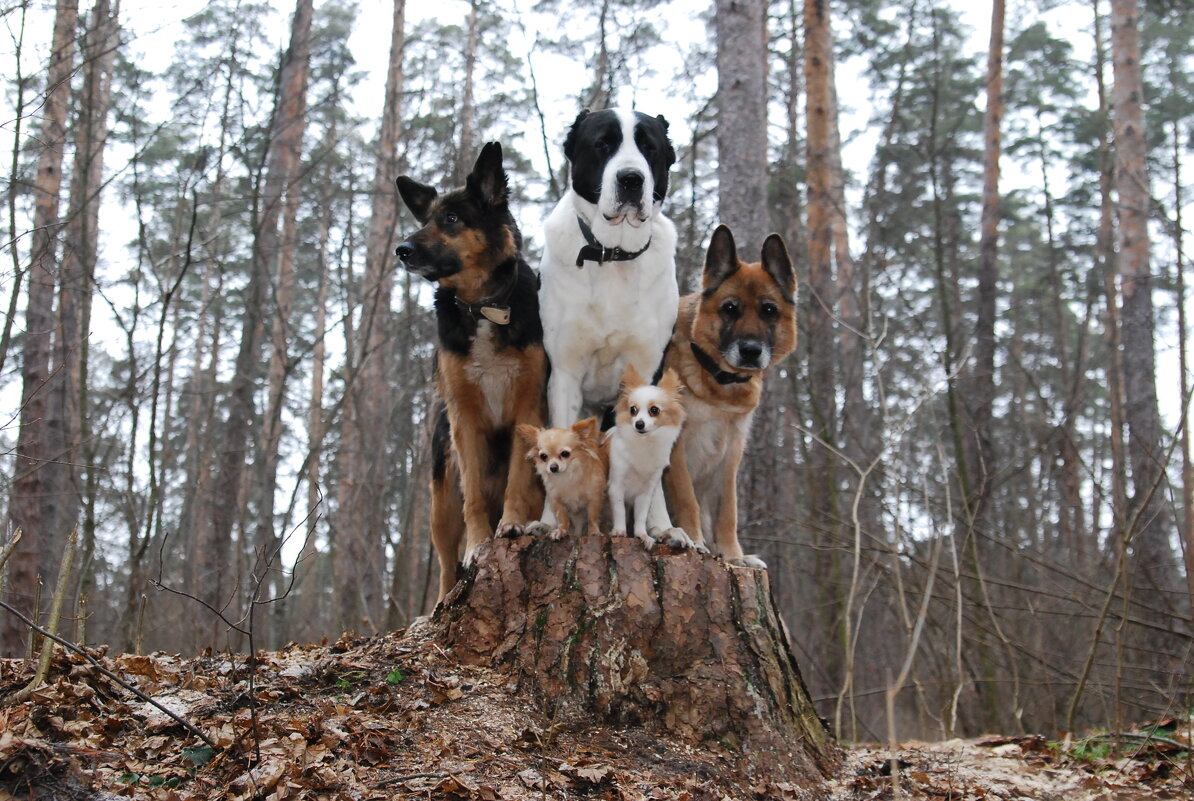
x=395, y=718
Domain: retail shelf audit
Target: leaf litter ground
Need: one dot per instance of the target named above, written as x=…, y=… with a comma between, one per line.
x=395, y=717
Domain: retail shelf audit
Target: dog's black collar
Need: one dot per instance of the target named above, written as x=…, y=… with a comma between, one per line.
x=595, y=251
x=719, y=375
x=494, y=308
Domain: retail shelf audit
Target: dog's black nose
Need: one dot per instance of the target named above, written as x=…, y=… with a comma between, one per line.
x=640, y=424
x=555, y=468
x=630, y=183
x=404, y=251
x=750, y=350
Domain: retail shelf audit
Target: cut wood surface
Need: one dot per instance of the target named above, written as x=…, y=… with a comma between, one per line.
x=598, y=628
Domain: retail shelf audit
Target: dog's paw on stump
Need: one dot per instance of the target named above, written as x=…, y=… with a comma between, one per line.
x=598, y=628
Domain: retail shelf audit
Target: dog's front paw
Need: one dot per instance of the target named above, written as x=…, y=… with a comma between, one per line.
x=470, y=556
x=557, y=534
x=673, y=537
x=646, y=539
x=749, y=560
x=537, y=528
x=618, y=533
x=507, y=529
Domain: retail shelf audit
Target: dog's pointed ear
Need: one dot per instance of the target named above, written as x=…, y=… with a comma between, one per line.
x=670, y=383
x=778, y=265
x=721, y=260
x=587, y=428
x=570, y=140
x=488, y=179
x=527, y=434
x=630, y=378
x=417, y=197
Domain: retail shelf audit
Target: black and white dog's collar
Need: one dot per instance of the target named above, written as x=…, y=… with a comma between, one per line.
x=595, y=251
x=719, y=375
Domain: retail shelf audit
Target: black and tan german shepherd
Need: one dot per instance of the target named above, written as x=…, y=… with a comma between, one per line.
x=741, y=323
x=490, y=364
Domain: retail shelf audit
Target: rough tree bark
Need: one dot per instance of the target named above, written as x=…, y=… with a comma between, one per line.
x=359, y=525
x=981, y=389
x=599, y=627
x=823, y=500
x=289, y=126
x=1154, y=557
x=31, y=504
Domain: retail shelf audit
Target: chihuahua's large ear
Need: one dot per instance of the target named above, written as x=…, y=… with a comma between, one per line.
x=630, y=378
x=527, y=434
x=587, y=428
x=778, y=265
x=417, y=197
x=721, y=260
x=670, y=383
x=488, y=179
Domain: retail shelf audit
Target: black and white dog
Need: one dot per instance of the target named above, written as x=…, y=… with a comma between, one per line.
x=608, y=295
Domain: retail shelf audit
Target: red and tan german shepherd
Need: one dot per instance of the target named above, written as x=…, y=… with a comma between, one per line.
x=490, y=364
x=741, y=322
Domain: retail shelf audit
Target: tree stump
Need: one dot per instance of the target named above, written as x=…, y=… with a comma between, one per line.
x=599, y=628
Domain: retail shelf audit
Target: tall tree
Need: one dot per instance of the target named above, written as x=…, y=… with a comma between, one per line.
x=281, y=211
x=359, y=528
x=69, y=395
x=981, y=453
x=822, y=491
x=37, y=471
x=1150, y=533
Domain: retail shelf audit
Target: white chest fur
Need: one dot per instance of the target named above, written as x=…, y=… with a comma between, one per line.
x=493, y=371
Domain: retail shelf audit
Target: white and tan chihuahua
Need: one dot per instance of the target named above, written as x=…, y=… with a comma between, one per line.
x=647, y=424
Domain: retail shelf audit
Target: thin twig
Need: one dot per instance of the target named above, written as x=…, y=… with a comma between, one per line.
x=47, y=648
x=70, y=646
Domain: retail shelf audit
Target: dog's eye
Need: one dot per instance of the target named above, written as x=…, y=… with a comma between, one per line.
x=565, y=454
x=601, y=146
x=451, y=219
x=543, y=457
x=731, y=308
x=653, y=411
x=769, y=310
x=633, y=410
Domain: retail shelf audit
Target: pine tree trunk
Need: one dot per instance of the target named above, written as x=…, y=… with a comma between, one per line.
x=1105, y=254
x=79, y=254
x=981, y=452
x=742, y=122
x=1151, y=529
x=359, y=534
x=31, y=504
x=467, y=147
x=289, y=125
x=822, y=491
x=597, y=627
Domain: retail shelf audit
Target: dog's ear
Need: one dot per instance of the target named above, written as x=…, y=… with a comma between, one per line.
x=488, y=181
x=570, y=140
x=721, y=260
x=670, y=383
x=586, y=429
x=528, y=435
x=417, y=197
x=778, y=265
x=630, y=379
x=670, y=152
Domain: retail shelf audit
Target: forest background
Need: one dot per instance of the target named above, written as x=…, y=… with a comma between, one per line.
x=971, y=487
